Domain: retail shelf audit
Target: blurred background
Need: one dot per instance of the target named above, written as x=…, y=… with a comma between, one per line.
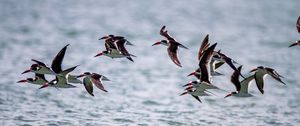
x=146, y=92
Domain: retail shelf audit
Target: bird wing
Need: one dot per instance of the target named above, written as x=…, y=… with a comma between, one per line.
x=88, y=85
x=121, y=47
x=229, y=61
x=235, y=79
x=165, y=33
x=58, y=59
x=118, y=37
x=203, y=63
x=110, y=44
x=172, y=51
x=96, y=80
x=298, y=24
x=274, y=74
x=203, y=46
x=67, y=71
x=197, y=98
x=259, y=79
x=245, y=84
x=39, y=62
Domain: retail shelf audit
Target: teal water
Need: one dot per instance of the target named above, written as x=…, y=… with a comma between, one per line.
x=147, y=92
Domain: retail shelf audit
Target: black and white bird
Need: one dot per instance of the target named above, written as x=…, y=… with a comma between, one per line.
x=213, y=64
x=172, y=45
x=196, y=93
x=39, y=79
x=39, y=68
x=115, y=47
x=242, y=87
x=60, y=80
x=199, y=87
x=93, y=78
x=261, y=72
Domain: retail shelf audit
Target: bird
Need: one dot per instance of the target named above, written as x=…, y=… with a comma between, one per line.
x=115, y=47
x=205, y=79
x=172, y=46
x=39, y=79
x=60, y=80
x=241, y=86
x=298, y=29
x=39, y=68
x=203, y=64
x=261, y=72
x=195, y=93
x=213, y=63
x=200, y=85
x=93, y=78
x=61, y=77
x=56, y=65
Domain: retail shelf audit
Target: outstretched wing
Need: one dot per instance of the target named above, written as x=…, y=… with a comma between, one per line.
x=203, y=63
x=274, y=74
x=259, y=81
x=88, y=85
x=203, y=46
x=39, y=62
x=172, y=51
x=58, y=59
x=96, y=80
x=165, y=33
x=235, y=79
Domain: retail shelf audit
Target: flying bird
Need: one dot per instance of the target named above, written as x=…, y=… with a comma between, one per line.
x=115, y=47
x=93, y=78
x=39, y=68
x=39, y=79
x=172, y=45
x=261, y=72
x=241, y=86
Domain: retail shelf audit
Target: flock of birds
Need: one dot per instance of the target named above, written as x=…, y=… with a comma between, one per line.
x=209, y=61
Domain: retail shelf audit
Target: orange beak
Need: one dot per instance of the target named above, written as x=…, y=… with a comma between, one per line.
x=189, y=88
x=99, y=54
x=22, y=81
x=253, y=70
x=228, y=95
x=26, y=71
x=188, y=84
x=79, y=76
x=104, y=37
x=45, y=85
x=184, y=93
x=157, y=43
x=193, y=73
